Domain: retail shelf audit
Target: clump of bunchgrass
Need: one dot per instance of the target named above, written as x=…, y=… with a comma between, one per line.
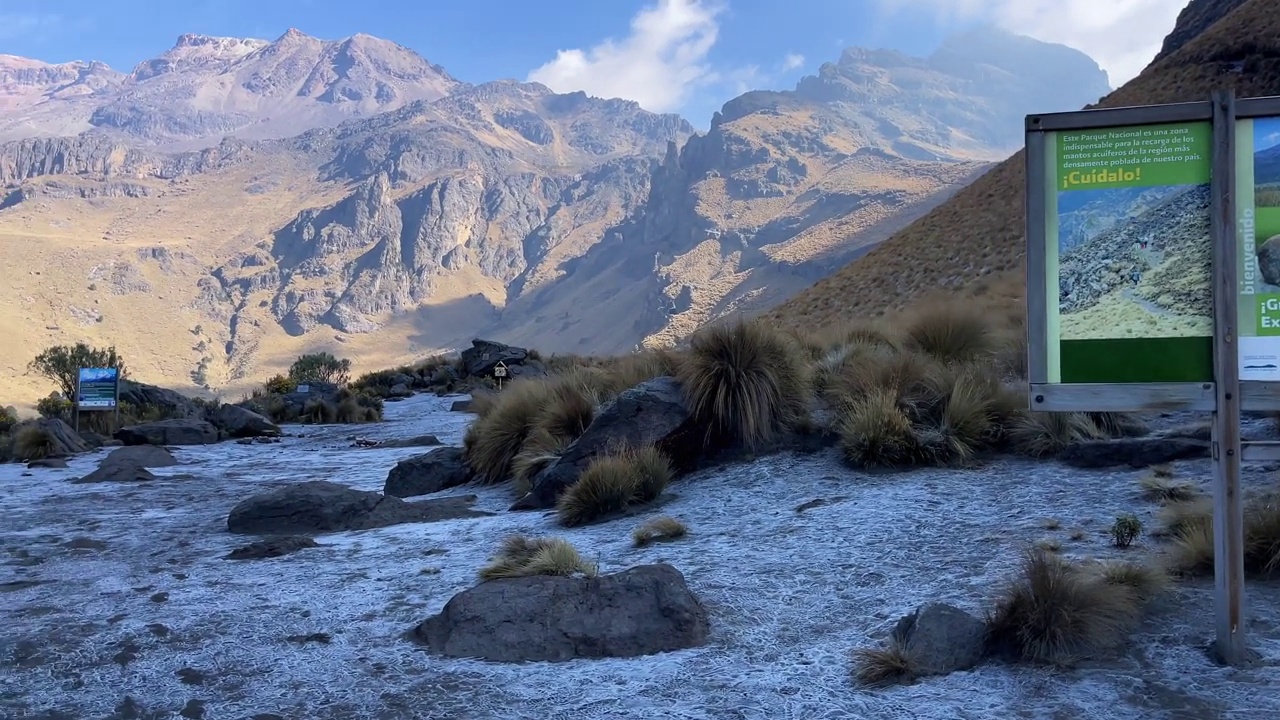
x=744, y=382
x=1056, y=612
x=658, y=529
x=520, y=556
x=880, y=667
x=1160, y=486
x=32, y=442
x=612, y=483
x=951, y=333
x=1044, y=434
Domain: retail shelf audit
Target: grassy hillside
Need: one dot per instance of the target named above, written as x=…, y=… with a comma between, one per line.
x=973, y=245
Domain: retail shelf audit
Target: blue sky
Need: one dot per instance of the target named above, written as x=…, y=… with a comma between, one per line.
x=686, y=56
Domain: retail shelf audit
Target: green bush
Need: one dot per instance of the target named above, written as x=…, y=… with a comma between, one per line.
x=54, y=406
x=62, y=364
x=320, y=367
x=280, y=385
x=8, y=418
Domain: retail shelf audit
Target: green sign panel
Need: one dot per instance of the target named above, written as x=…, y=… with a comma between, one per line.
x=98, y=389
x=1129, y=254
x=1258, y=232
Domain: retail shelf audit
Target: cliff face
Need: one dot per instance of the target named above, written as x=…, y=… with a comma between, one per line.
x=442, y=211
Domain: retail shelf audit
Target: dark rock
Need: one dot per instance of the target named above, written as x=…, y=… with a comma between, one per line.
x=437, y=470
x=419, y=441
x=941, y=639
x=652, y=412
x=84, y=544
x=641, y=611
x=47, y=463
x=239, y=422
x=170, y=404
x=318, y=506
x=399, y=390
x=181, y=431
x=460, y=406
x=65, y=439
x=129, y=463
x=1137, y=452
x=272, y=547
x=483, y=356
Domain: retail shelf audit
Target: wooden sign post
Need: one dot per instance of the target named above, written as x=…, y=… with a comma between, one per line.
x=500, y=373
x=97, y=390
x=1148, y=288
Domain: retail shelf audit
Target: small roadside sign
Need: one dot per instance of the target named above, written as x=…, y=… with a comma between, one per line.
x=500, y=370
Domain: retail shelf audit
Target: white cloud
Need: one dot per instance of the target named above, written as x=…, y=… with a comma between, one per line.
x=792, y=61
x=657, y=65
x=1122, y=35
x=25, y=25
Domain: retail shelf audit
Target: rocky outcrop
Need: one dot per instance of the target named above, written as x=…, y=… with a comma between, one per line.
x=641, y=611
x=318, y=506
x=483, y=356
x=62, y=437
x=1194, y=19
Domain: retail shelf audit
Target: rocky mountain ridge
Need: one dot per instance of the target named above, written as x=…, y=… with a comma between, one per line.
x=561, y=221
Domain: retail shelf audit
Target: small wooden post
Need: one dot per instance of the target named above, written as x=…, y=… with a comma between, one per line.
x=1228, y=508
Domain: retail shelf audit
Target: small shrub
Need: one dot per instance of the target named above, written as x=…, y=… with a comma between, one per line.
x=55, y=406
x=1043, y=434
x=320, y=367
x=280, y=385
x=950, y=333
x=744, y=382
x=1163, y=488
x=33, y=442
x=657, y=530
x=8, y=418
x=1055, y=612
x=613, y=482
x=879, y=667
x=519, y=556
x=1125, y=530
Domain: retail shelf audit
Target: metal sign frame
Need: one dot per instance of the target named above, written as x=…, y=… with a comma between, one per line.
x=77, y=408
x=1226, y=396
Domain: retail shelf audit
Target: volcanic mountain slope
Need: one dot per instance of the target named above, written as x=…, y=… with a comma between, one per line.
x=500, y=209
x=205, y=88
x=974, y=244
x=788, y=186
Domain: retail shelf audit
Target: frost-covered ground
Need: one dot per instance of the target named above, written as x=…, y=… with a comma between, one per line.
x=152, y=611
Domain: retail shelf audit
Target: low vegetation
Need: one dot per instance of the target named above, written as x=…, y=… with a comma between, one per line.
x=659, y=529
x=612, y=483
x=1189, y=524
x=329, y=398
x=878, y=667
x=32, y=442
x=519, y=556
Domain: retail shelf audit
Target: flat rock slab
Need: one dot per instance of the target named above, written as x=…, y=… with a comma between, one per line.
x=319, y=506
x=419, y=441
x=52, y=463
x=424, y=474
x=1136, y=452
x=642, y=611
x=182, y=431
x=272, y=547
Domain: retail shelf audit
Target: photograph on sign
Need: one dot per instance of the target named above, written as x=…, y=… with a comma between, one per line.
x=1128, y=254
x=1258, y=210
x=97, y=388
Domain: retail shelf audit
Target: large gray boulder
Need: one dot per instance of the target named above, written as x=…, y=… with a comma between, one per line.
x=651, y=413
x=940, y=639
x=431, y=472
x=168, y=402
x=642, y=611
x=129, y=464
x=178, y=431
x=319, y=506
x=240, y=422
x=65, y=441
x=483, y=356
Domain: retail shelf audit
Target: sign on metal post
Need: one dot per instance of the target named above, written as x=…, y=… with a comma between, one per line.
x=1153, y=282
x=500, y=373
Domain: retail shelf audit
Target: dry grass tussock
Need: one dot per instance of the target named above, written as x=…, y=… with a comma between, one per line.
x=938, y=395
x=1189, y=524
x=745, y=382
x=519, y=556
x=612, y=483
x=32, y=443
x=878, y=667
x=658, y=529
x=1159, y=485
x=1060, y=612
x=523, y=428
